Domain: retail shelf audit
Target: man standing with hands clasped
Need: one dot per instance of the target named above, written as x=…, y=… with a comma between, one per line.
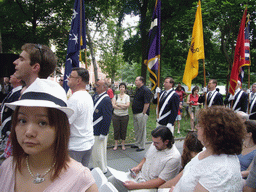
x=168, y=104
x=140, y=109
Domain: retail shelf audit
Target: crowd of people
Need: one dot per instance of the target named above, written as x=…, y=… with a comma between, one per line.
x=51, y=136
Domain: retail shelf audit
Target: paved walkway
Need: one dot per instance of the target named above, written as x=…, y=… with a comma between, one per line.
x=124, y=160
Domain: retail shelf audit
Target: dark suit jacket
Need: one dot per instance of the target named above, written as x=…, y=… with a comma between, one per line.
x=172, y=105
x=218, y=99
x=242, y=103
x=7, y=112
x=104, y=109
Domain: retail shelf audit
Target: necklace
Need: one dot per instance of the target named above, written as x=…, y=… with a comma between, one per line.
x=248, y=146
x=38, y=178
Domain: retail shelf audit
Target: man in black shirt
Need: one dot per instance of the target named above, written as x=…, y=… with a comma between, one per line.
x=140, y=109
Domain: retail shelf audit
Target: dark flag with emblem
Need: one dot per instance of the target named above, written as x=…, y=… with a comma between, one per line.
x=196, y=50
x=239, y=58
x=153, y=59
x=77, y=40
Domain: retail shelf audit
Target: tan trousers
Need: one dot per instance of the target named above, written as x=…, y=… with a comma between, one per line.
x=99, y=154
x=140, y=123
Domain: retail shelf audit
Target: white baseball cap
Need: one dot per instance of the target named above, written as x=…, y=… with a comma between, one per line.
x=43, y=93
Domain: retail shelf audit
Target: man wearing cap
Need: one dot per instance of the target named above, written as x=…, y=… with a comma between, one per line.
x=101, y=122
x=239, y=100
x=34, y=61
x=81, y=122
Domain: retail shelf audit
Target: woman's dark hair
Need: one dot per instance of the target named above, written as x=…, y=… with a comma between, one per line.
x=223, y=130
x=191, y=144
x=165, y=134
x=194, y=89
x=123, y=85
x=59, y=121
x=251, y=128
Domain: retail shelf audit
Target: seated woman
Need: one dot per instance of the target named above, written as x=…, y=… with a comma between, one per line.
x=191, y=147
x=40, y=134
x=216, y=168
x=249, y=148
x=192, y=100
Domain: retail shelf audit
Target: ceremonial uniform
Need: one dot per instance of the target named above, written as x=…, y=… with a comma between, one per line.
x=212, y=97
x=252, y=106
x=168, y=107
x=240, y=101
x=101, y=122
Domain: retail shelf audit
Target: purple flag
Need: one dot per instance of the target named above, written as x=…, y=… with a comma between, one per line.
x=153, y=59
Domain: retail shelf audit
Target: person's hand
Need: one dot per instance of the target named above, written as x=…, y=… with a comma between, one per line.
x=102, y=137
x=231, y=97
x=130, y=185
x=136, y=170
x=171, y=190
x=205, y=90
x=158, y=90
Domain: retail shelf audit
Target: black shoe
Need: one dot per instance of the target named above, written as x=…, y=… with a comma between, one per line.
x=138, y=150
x=134, y=146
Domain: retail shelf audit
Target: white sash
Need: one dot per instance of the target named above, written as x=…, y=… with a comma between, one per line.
x=237, y=100
x=165, y=103
x=212, y=98
x=95, y=106
x=252, y=103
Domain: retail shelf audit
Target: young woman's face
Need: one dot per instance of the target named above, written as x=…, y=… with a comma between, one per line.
x=122, y=88
x=34, y=134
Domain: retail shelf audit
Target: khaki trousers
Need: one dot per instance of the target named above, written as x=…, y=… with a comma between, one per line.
x=140, y=123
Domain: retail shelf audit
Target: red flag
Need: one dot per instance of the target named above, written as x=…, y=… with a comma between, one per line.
x=239, y=58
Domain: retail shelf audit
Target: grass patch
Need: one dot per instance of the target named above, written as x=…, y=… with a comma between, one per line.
x=151, y=124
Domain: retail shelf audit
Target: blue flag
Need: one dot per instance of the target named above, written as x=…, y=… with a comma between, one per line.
x=153, y=59
x=74, y=43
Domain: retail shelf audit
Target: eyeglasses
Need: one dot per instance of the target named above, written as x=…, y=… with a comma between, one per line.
x=39, y=47
x=70, y=76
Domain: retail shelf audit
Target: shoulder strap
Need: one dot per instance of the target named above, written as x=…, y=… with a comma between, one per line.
x=98, y=102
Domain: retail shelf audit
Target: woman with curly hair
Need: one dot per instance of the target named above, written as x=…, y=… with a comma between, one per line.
x=217, y=168
x=191, y=147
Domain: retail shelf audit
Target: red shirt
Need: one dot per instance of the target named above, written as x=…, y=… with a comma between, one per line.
x=195, y=99
x=110, y=93
x=180, y=93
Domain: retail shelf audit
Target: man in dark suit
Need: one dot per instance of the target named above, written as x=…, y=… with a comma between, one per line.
x=101, y=122
x=213, y=97
x=168, y=104
x=6, y=113
x=239, y=100
x=252, y=105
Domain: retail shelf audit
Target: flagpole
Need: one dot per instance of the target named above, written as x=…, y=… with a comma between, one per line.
x=205, y=99
x=249, y=68
x=158, y=85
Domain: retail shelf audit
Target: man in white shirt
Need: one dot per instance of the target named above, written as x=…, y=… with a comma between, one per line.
x=161, y=163
x=81, y=122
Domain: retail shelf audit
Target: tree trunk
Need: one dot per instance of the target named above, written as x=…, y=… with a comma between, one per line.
x=90, y=44
x=144, y=37
x=1, y=44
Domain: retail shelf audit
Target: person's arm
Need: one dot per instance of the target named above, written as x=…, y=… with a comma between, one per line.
x=145, y=108
x=153, y=183
x=92, y=188
x=114, y=104
x=124, y=106
x=139, y=166
x=248, y=189
x=188, y=99
x=247, y=171
x=172, y=182
x=200, y=188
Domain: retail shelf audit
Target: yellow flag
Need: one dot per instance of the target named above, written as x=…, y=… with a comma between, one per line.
x=196, y=50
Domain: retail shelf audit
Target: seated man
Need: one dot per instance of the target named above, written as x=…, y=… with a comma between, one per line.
x=161, y=163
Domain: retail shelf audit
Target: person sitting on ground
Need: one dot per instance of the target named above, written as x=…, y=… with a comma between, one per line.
x=161, y=163
x=249, y=148
x=120, y=117
x=40, y=134
x=191, y=147
x=216, y=168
